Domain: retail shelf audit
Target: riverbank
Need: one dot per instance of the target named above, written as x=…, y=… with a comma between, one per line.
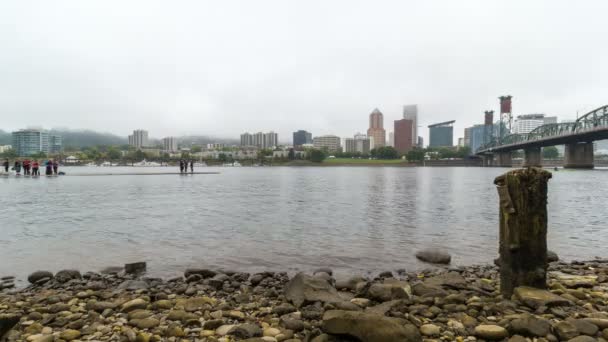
x=455, y=304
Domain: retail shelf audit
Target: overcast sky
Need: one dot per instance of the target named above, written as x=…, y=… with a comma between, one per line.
x=224, y=67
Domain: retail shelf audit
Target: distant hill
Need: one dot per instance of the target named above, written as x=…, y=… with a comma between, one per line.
x=87, y=138
x=203, y=140
x=5, y=138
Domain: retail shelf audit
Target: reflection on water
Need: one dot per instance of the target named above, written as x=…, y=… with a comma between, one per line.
x=348, y=218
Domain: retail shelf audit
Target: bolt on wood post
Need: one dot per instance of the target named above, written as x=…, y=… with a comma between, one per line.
x=523, y=229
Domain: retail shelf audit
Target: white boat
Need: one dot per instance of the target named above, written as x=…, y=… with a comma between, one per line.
x=106, y=163
x=236, y=164
x=91, y=164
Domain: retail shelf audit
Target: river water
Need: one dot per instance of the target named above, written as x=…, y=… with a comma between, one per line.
x=352, y=219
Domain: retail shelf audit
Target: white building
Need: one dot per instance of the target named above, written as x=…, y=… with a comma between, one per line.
x=139, y=138
x=391, y=139
x=329, y=142
x=360, y=143
x=527, y=123
x=410, y=112
x=170, y=144
x=260, y=139
x=5, y=148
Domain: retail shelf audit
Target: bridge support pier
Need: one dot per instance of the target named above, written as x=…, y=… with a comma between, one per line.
x=533, y=157
x=579, y=156
x=503, y=159
x=488, y=160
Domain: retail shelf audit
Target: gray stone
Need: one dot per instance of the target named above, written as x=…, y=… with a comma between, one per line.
x=349, y=283
x=296, y=325
x=584, y=327
x=491, y=332
x=135, y=268
x=430, y=330
x=369, y=327
x=552, y=256
x=583, y=339
x=323, y=270
x=424, y=290
x=203, y=272
x=133, y=285
x=536, y=298
x=450, y=280
x=434, y=256
x=303, y=289
x=283, y=308
x=246, y=330
x=37, y=276
x=64, y=276
x=112, y=270
x=529, y=325
x=565, y=330
x=386, y=292
x=134, y=304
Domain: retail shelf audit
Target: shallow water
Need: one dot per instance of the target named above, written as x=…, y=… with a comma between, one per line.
x=353, y=219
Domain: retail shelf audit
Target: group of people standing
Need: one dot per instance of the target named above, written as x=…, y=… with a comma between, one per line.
x=183, y=165
x=32, y=167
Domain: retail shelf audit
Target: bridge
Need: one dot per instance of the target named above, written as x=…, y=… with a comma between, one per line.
x=577, y=136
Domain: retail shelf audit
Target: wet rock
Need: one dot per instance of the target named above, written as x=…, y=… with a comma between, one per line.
x=517, y=338
x=601, y=323
x=349, y=283
x=434, y=256
x=565, y=331
x=145, y=323
x=303, y=288
x=64, y=276
x=175, y=330
x=552, y=256
x=575, y=281
x=424, y=290
x=133, y=285
x=430, y=330
x=369, y=327
x=134, y=304
x=203, y=272
x=224, y=329
x=532, y=326
x=450, y=280
x=283, y=308
x=69, y=335
x=536, y=298
x=323, y=270
x=135, y=268
x=213, y=324
x=246, y=330
x=386, y=292
x=584, y=327
x=195, y=303
x=37, y=276
x=491, y=332
x=7, y=322
x=583, y=339
x=293, y=324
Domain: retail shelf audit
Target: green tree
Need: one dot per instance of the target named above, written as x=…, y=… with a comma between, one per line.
x=140, y=155
x=317, y=156
x=113, y=153
x=417, y=154
x=550, y=152
x=11, y=154
x=384, y=152
x=196, y=149
x=292, y=154
x=222, y=157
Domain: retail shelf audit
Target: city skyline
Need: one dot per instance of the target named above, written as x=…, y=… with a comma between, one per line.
x=180, y=70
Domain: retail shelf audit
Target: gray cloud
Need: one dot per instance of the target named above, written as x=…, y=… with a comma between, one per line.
x=221, y=68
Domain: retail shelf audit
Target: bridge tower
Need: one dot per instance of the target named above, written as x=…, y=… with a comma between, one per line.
x=506, y=116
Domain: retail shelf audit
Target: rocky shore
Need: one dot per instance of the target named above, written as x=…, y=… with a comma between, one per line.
x=445, y=304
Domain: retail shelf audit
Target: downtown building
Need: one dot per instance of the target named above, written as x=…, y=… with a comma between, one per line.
x=302, y=138
x=360, y=143
x=330, y=143
x=410, y=112
x=441, y=134
x=170, y=144
x=376, y=131
x=525, y=124
x=403, y=135
x=139, y=138
x=27, y=142
x=260, y=140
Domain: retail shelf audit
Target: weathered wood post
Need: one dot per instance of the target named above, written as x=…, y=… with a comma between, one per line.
x=523, y=229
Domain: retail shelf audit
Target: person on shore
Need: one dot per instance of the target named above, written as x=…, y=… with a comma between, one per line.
x=17, y=167
x=49, y=168
x=55, y=167
x=26, y=167
x=191, y=166
x=181, y=166
x=35, y=168
x=6, y=165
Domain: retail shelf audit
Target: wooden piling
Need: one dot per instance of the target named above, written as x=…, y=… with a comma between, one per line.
x=523, y=229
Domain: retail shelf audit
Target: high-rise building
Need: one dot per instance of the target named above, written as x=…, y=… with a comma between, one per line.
x=441, y=134
x=391, y=139
x=467, y=136
x=376, y=129
x=170, y=144
x=360, y=143
x=139, y=138
x=31, y=141
x=260, y=139
x=302, y=138
x=403, y=136
x=410, y=112
x=420, y=142
x=331, y=143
